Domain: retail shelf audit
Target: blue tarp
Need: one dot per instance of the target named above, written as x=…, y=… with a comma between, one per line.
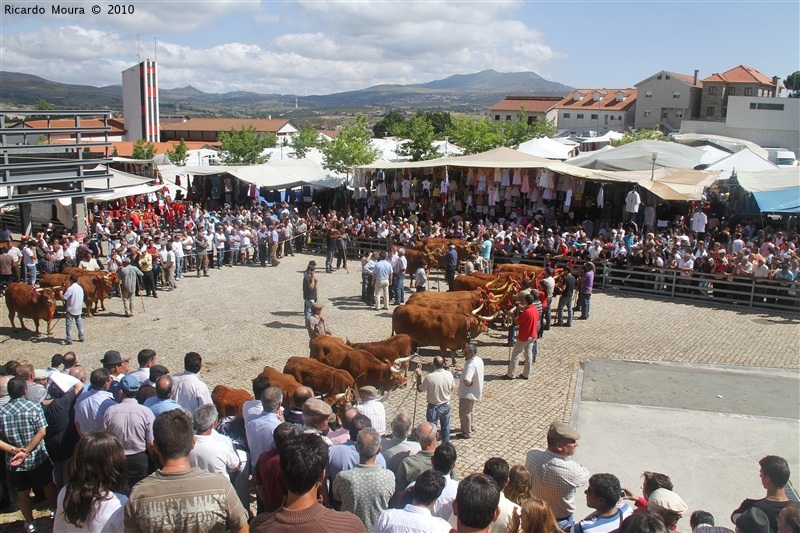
x=779, y=200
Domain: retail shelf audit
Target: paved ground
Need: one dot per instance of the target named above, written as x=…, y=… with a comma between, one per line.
x=243, y=318
x=706, y=427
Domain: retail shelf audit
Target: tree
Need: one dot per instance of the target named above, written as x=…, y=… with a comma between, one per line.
x=143, y=150
x=440, y=120
x=306, y=139
x=393, y=124
x=420, y=144
x=475, y=135
x=179, y=154
x=43, y=105
x=652, y=134
x=244, y=146
x=350, y=148
x=792, y=84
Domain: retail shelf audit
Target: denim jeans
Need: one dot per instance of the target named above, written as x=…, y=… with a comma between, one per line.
x=440, y=415
x=220, y=258
x=399, y=288
x=68, y=318
x=584, y=305
x=30, y=274
x=562, y=303
x=178, y=267
x=307, y=308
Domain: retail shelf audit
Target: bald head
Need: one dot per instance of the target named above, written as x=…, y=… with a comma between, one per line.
x=78, y=372
x=426, y=436
x=164, y=386
x=438, y=362
x=301, y=394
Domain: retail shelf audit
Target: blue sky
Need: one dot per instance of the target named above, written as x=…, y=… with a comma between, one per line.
x=319, y=47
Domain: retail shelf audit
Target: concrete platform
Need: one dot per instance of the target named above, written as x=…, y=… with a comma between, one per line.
x=704, y=426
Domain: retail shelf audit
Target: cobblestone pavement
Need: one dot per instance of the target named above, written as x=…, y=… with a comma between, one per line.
x=243, y=318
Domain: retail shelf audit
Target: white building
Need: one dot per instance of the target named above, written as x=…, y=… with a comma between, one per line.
x=140, y=102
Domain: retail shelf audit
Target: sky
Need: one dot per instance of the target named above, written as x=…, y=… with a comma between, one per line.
x=322, y=47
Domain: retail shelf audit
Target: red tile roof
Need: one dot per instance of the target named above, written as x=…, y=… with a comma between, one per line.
x=532, y=104
x=740, y=74
x=688, y=78
x=608, y=100
x=225, y=124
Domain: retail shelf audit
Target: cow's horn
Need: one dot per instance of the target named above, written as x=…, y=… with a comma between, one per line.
x=400, y=360
x=476, y=311
x=395, y=370
x=489, y=318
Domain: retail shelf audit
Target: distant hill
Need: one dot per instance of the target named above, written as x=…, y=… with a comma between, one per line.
x=472, y=92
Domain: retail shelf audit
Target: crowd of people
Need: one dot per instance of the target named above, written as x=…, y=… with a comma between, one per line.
x=117, y=449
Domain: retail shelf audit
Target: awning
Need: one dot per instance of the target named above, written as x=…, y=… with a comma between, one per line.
x=124, y=192
x=639, y=156
x=743, y=160
x=779, y=200
x=666, y=183
x=769, y=180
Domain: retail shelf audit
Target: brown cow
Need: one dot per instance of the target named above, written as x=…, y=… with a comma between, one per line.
x=285, y=382
x=396, y=349
x=320, y=377
x=28, y=302
x=95, y=288
x=430, y=327
x=229, y=401
x=478, y=280
x=362, y=365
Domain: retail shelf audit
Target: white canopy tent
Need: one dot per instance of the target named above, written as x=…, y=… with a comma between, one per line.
x=547, y=148
x=639, y=156
x=769, y=180
x=728, y=143
x=743, y=160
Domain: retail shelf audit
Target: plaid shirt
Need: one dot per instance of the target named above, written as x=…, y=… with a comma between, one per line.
x=20, y=420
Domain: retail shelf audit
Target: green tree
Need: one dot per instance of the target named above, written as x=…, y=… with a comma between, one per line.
x=43, y=105
x=420, y=144
x=792, y=84
x=475, y=135
x=244, y=146
x=306, y=139
x=143, y=150
x=440, y=120
x=179, y=154
x=393, y=124
x=350, y=148
x=652, y=134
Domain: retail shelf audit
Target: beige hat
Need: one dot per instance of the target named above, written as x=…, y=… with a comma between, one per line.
x=316, y=407
x=562, y=430
x=666, y=500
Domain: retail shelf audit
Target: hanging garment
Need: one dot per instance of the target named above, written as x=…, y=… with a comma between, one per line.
x=506, y=181
x=526, y=185
x=492, y=193
x=498, y=175
x=517, y=177
x=600, y=198
x=534, y=195
x=481, y=183
x=633, y=201
x=649, y=215
x=381, y=189
x=568, y=199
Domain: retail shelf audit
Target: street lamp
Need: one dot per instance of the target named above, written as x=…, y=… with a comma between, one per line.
x=653, y=157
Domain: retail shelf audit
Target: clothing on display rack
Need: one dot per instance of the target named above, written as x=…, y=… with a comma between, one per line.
x=633, y=201
x=517, y=177
x=600, y=197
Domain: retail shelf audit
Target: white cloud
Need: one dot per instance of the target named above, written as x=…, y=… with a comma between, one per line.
x=302, y=48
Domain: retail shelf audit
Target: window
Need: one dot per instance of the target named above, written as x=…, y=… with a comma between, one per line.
x=676, y=94
x=710, y=111
x=732, y=91
x=612, y=117
x=566, y=115
x=593, y=116
x=667, y=77
x=712, y=90
x=647, y=112
x=748, y=91
x=648, y=94
x=679, y=114
x=767, y=107
x=508, y=117
x=497, y=117
x=531, y=120
x=664, y=115
x=659, y=77
x=579, y=116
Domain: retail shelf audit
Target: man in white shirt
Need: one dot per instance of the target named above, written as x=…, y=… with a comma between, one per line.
x=372, y=408
x=416, y=516
x=209, y=453
x=73, y=303
x=92, y=404
x=437, y=386
x=470, y=389
x=146, y=359
x=189, y=391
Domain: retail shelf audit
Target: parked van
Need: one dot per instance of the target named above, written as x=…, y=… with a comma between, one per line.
x=782, y=157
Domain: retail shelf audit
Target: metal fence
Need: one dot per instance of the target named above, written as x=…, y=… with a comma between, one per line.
x=711, y=289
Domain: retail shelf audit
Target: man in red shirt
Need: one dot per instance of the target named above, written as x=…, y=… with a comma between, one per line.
x=527, y=333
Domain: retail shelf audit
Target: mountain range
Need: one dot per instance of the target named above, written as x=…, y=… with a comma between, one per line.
x=461, y=92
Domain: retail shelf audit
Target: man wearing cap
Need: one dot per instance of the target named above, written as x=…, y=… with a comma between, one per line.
x=555, y=477
x=309, y=288
x=189, y=391
x=128, y=276
x=92, y=404
x=315, y=324
x=316, y=415
x=133, y=424
x=147, y=388
x=372, y=408
x=73, y=307
x=117, y=366
x=451, y=265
